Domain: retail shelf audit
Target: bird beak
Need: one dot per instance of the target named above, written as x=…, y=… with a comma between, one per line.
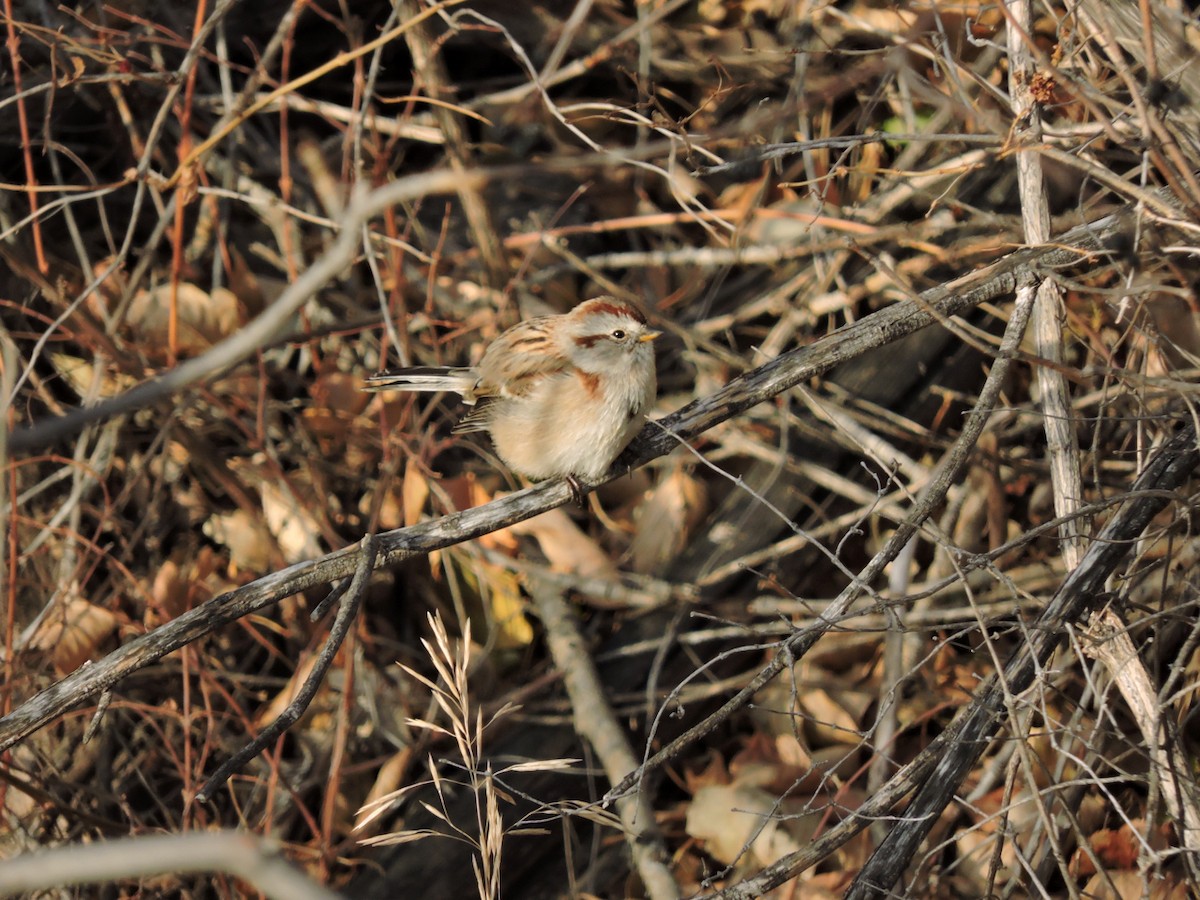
x=649, y=336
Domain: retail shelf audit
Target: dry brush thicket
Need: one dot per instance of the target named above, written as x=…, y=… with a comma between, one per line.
x=896, y=595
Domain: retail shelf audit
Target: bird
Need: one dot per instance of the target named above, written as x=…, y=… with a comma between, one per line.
x=560, y=395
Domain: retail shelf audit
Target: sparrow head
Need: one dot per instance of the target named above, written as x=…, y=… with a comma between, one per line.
x=605, y=334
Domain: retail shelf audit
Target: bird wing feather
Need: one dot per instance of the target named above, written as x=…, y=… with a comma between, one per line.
x=478, y=419
x=519, y=359
x=513, y=364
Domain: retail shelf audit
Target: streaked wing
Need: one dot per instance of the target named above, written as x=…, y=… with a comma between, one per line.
x=478, y=419
x=518, y=358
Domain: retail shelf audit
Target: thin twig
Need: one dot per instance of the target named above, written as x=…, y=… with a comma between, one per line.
x=939, y=770
x=741, y=393
x=799, y=644
x=355, y=591
x=976, y=725
x=1062, y=443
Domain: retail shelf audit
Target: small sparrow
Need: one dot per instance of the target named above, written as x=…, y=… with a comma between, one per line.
x=559, y=395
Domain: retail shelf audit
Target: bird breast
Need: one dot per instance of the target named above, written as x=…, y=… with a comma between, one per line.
x=572, y=423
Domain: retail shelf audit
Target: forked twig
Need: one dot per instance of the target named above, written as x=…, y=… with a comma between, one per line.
x=761, y=384
x=350, y=592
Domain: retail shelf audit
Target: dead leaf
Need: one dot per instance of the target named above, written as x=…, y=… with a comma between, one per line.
x=1116, y=848
x=1119, y=885
x=170, y=590
x=508, y=608
x=250, y=545
x=337, y=400
x=179, y=587
x=733, y=818
x=566, y=546
x=388, y=780
x=295, y=528
x=72, y=634
x=1179, y=331
x=318, y=716
x=714, y=772
x=202, y=318
x=667, y=519
x=81, y=374
x=339, y=392
x=828, y=720
x=415, y=492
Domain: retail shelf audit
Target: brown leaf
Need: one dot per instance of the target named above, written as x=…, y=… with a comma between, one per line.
x=1117, y=849
x=567, y=548
x=667, y=519
x=1119, y=885
x=81, y=375
x=415, y=492
x=828, y=720
x=202, y=318
x=73, y=633
x=388, y=779
x=170, y=590
x=249, y=543
x=1179, y=330
x=339, y=392
x=296, y=530
x=731, y=818
x=319, y=713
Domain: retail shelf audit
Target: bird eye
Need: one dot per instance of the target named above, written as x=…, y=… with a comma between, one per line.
x=618, y=335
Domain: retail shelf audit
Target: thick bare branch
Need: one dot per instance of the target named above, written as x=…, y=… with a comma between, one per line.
x=740, y=394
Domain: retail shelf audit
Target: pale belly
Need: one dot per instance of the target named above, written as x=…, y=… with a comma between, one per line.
x=562, y=433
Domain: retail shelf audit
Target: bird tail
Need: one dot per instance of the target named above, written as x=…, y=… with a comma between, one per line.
x=423, y=378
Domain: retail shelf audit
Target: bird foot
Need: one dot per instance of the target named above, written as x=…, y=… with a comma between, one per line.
x=577, y=491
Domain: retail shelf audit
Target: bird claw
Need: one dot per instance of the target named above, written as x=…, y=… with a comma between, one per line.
x=577, y=491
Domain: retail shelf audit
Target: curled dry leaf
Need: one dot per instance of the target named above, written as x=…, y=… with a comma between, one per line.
x=667, y=519
x=249, y=542
x=81, y=374
x=732, y=819
x=1117, y=848
x=177, y=588
x=72, y=634
x=415, y=492
x=566, y=546
x=202, y=318
x=170, y=590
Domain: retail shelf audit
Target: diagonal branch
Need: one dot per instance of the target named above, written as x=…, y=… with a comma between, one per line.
x=754, y=387
x=938, y=771
x=978, y=724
